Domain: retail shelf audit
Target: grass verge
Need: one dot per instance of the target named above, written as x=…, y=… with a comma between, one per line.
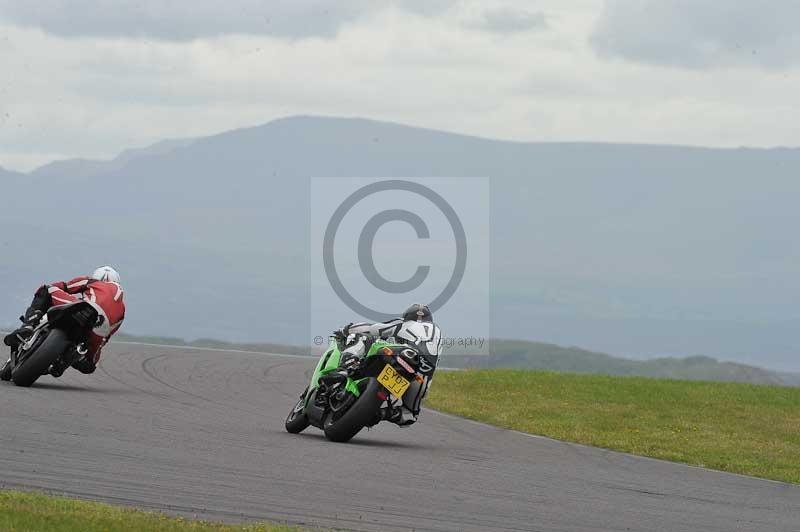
x=741, y=428
x=23, y=512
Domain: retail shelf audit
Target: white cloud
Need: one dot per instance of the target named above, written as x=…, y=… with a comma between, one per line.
x=95, y=96
x=701, y=33
x=196, y=19
x=507, y=19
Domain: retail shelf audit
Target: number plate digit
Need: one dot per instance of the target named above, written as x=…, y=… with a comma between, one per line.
x=393, y=381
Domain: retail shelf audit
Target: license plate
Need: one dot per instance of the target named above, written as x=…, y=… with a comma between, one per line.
x=393, y=381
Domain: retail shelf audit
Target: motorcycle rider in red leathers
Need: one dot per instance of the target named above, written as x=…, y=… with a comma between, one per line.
x=102, y=290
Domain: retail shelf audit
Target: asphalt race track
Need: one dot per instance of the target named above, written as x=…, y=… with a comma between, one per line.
x=200, y=432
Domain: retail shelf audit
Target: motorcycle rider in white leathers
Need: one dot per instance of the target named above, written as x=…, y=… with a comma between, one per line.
x=414, y=328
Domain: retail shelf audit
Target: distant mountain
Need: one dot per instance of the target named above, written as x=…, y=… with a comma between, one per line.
x=538, y=355
x=529, y=355
x=78, y=169
x=9, y=175
x=644, y=251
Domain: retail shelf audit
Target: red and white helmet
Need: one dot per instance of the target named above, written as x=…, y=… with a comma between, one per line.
x=106, y=274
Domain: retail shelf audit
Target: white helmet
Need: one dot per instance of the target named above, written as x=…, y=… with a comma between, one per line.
x=106, y=274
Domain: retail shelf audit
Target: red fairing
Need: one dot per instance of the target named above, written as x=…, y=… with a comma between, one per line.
x=106, y=297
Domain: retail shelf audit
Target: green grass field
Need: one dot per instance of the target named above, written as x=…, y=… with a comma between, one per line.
x=741, y=428
x=32, y=512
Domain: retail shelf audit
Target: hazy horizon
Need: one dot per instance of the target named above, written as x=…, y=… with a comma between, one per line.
x=155, y=143
x=587, y=249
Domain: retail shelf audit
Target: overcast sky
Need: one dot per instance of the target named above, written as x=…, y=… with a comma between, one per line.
x=89, y=78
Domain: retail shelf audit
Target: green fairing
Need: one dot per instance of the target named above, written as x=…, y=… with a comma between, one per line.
x=377, y=346
x=352, y=386
x=329, y=361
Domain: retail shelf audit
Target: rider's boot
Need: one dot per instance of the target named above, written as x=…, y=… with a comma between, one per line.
x=348, y=366
x=21, y=335
x=406, y=422
x=350, y=362
x=393, y=415
x=58, y=367
x=334, y=377
x=84, y=365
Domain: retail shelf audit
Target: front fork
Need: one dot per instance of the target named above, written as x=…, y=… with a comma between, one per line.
x=5, y=371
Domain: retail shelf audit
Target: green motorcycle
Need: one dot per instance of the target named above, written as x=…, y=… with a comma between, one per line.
x=341, y=404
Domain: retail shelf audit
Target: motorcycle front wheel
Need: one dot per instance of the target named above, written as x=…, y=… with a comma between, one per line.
x=297, y=420
x=5, y=373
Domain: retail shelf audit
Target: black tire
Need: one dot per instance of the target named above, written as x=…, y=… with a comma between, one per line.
x=5, y=373
x=40, y=360
x=297, y=420
x=361, y=414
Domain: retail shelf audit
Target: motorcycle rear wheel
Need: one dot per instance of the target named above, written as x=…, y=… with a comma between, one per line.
x=40, y=360
x=361, y=414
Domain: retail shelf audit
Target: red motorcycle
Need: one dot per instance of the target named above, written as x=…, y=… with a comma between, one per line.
x=59, y=339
